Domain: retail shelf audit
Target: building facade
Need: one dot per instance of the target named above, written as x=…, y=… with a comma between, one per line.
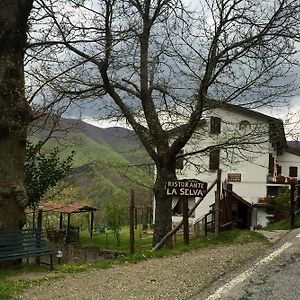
x=251, y=150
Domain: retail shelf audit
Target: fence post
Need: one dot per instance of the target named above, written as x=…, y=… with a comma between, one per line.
x=131, y=223
x=217, y=204
x=205, y=224
x=135, y=218
x=292, y=203
x=185, y=217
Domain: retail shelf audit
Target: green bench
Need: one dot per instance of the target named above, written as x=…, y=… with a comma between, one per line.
x=21, y=243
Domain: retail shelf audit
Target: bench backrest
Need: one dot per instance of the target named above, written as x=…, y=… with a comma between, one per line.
x=20, y=239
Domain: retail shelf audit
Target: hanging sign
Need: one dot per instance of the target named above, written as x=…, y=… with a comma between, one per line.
x=186, y=188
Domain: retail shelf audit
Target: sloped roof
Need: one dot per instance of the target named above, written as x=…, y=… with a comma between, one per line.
x=276, y=128
x=242, y=200
x=293, y=147
x=65, y=208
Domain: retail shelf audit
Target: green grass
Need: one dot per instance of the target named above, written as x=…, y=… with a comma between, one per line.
x=9, y=288
x=284, y=224
x=143, y=241
x=108, y=241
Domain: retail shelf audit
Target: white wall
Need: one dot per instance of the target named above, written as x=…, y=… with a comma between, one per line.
x=253, y=170
x=287, y=160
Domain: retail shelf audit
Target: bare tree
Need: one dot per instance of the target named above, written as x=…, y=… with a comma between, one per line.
x=159, y=64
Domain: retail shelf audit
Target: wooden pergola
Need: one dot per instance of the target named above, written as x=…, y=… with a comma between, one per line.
x=66, y=209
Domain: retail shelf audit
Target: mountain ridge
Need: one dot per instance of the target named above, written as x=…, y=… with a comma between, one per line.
x=106, y=162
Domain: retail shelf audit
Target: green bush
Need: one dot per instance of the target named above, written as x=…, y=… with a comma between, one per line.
x=280, y=204
x=115, y=215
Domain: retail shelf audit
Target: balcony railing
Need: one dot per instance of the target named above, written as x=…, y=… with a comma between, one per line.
x=280, y=179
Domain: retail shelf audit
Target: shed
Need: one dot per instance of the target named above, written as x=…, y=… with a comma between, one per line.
x=66, y=209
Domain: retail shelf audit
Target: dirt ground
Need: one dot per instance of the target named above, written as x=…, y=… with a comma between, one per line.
x=173, y=277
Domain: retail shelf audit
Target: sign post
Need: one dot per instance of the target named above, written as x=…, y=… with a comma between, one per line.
x=185, y=189
x=185, y=217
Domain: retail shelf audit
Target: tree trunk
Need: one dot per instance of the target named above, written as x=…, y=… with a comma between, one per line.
x=163, y=204
x=15, y=112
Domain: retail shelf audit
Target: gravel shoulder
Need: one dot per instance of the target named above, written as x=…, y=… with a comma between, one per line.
x=173, y=277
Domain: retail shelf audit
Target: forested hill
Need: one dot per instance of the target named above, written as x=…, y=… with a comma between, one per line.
x=121, y=140
x=108, y=162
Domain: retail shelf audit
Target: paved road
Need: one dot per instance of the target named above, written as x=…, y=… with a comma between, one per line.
x=275, y=276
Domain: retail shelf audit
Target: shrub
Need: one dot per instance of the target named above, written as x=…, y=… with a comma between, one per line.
x=280, y=204
x=115, y=218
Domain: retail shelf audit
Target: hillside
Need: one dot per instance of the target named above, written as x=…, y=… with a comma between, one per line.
x=120, y=140
x=106, y=162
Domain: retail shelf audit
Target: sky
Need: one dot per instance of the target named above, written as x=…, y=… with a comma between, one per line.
x=290, y=116
x=89, y=114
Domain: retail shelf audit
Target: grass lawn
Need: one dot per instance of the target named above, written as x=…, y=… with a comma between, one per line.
x=107, y=240
x=284, y=224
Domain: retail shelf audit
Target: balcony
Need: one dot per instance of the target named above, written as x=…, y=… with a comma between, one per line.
x=280, y=179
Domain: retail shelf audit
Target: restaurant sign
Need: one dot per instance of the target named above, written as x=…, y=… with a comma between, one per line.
x=186, y=188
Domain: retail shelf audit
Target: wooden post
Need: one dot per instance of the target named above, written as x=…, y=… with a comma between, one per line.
x=185, y=217
x=142, y=217
x=40, y=219
x=229, y=187
x=135, y=218
x=217, y=204
x=148, y=216
x=205, y=225
x=61, y=221
x=39, y=226
x=292, y=203
x=174, y=240
x=131, y=223
x=92, y=223
x=33, y=217
x=68, y=238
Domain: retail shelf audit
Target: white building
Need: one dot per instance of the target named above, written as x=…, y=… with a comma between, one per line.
x=251, y=150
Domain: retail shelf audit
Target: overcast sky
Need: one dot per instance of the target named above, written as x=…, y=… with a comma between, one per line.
x=90, y=113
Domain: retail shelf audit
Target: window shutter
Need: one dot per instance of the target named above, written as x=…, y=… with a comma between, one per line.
x=293, y=172
x=215, y=125
x=214, y=159
x=279, y=169
x=271, y=164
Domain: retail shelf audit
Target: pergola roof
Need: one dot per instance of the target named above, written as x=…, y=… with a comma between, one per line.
x=66, y=208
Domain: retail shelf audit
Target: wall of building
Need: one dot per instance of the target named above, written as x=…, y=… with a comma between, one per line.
x=287, y=160
x=250, y=160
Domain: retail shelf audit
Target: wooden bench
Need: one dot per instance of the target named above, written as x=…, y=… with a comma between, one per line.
x=21, y=243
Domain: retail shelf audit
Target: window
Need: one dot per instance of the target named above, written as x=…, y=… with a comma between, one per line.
x=179, y=161
x=203, y=123
x=215, y=125
x=214, y=159
x=244, y=124
x=279, y=169
x=271, y=164
x=293, y=172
